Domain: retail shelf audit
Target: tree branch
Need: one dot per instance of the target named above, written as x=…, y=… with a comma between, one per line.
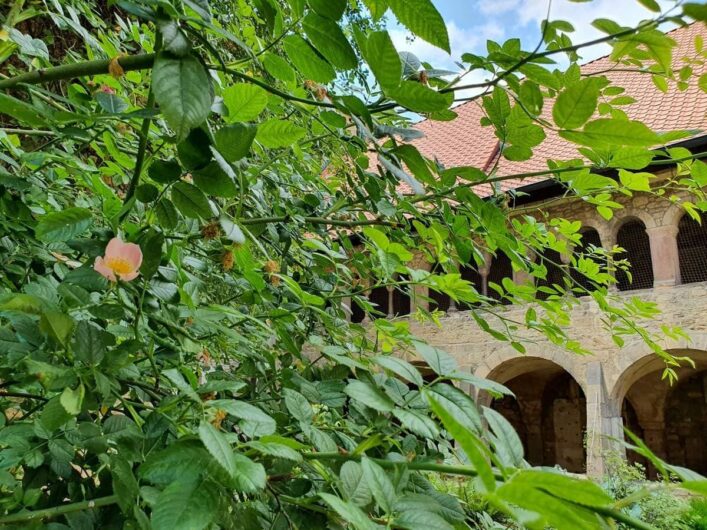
x=69, y=71
x=58, y=510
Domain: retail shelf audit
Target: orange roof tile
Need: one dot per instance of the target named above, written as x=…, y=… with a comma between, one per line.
x=464, y=142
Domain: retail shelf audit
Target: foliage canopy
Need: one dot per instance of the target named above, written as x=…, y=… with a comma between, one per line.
x=233, y=142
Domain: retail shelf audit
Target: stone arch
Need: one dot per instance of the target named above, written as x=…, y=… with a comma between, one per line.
x=672, y=420
x=672, y=215
x=549, y=410
x=632, y=235
x=621, y=217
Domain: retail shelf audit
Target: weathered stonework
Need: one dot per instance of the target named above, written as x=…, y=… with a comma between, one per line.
x=615, y=381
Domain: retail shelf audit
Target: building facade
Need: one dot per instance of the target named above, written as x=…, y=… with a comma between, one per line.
x=568, y=408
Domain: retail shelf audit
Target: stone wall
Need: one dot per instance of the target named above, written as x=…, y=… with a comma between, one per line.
x=607, y=377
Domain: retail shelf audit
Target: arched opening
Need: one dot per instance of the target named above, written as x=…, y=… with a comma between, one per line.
x=590, y=240
x=632, y=237
x=692, y=249
x=500, y=268
x=671, y=420
x=552, y=260
x=402, y=302
x=548, y=411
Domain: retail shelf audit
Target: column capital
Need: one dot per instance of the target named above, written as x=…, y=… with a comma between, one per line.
x=664, y=230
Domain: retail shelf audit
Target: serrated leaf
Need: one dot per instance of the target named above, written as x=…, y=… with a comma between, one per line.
x=379, y=483
x=576, y=104
x=332, y=9
x=417, y=422
x=612, y=132
x=90, y=343
x=353, y=484
x=350, y=512
x=422, y=19
x=57, y=326
x=164, y=171
x=306, y=60
x=384, y=60
x=183, y=90
x=330, y=41
x=507, y=443
x=217, y=445
x=401, y=368
x=234, y=141
x=472, y=446
x=279, y=133
x=213, y=180
x=72, y=399
x=185, y=505
x=440, y=361
x=419, y=98
x=244, y=102
x=166, y=213
x=63, y=225
x=191, y=201
x=298, y=406
x=369, y=395
x=248, y=476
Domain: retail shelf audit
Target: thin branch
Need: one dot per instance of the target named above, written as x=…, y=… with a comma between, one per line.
x=58, y=510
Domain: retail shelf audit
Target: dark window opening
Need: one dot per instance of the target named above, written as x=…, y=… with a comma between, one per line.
x=379, y=298
x=590, y=237
x=500, y=268
x=692, y=249
x=555, y=275
x=401, y=298
x=632, y=237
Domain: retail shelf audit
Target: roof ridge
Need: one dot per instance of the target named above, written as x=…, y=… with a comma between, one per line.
x=581, y=66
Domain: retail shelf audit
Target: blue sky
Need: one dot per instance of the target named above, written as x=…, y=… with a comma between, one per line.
x=471, y=22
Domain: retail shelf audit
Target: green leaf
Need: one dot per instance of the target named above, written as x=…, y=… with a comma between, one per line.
x=195, y=151
x=330, y=41
x=151, y=244
x=90, y=343
x=306, y=60
x=576, y=104
x=166, y=213
x=380, y=485
x=298, y=406
x=234, y=141
x=183, y=90
x=332, y=9
x=213, y=180
x=254, y=422
x=440, y=361
x=401, y=368
x=23, y=112
x=248, y=476
x=419, y=98
x=417, y=423
x=369, y=396
x=612, y=132
x=146, y=193
x=244, y=102
x=353, y=484
x=349, y=512
x=635, y=181
x=472, y=446
x=191, y=201
x=231, y=230
x=165, y=171
x=279, y=133
x=57, y=326
x=507, y=443
x=217, y=445
x=651, y=5
x=384, y=60
x=72, y=400
x=278, y=67
x=63, y=225
x=185, y=505
x=422, y=18
x=417, y=519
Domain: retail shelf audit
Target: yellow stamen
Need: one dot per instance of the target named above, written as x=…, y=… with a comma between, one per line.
x=119, y=265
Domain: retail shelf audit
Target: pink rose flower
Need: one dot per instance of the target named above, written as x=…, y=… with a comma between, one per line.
x=121, y=259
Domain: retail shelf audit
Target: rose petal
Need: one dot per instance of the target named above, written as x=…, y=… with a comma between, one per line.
x=132, y=253
x=129, y=276
x=100, y=267
x=115, y=247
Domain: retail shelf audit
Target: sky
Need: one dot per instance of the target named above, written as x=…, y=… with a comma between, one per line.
x=471, y=22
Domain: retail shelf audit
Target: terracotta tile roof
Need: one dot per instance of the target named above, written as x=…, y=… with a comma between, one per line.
x=464, y=142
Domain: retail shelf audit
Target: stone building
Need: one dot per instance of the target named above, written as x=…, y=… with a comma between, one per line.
x=566, y=406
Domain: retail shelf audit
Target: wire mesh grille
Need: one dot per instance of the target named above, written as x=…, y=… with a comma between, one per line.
x=500, y=268
x=401, y=299
x=692, y=249
x=555, y=275
x=632, y=237
x=590, y=237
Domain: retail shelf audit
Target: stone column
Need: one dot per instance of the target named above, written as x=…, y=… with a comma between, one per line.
x=604, y=422
x=664, y=254
x=346, y=306
x=484, y=273
x=391, y=310
x=522, y=277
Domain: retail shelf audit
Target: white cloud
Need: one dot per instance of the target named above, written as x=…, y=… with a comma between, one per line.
x=581, y=15
x=497, y=7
